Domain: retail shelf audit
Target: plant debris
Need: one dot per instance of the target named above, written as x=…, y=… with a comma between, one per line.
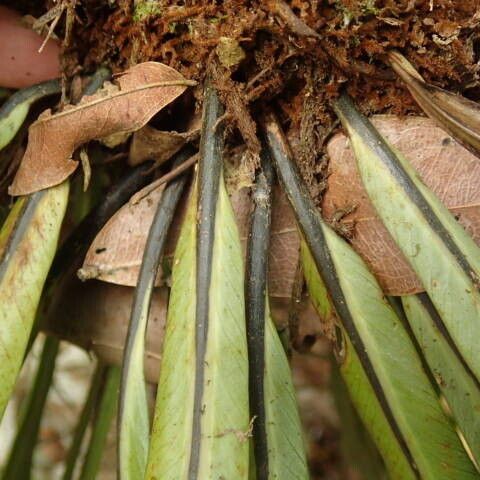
x=126, y=106
x=148, y=143
x=457, y=115
x=297, y=55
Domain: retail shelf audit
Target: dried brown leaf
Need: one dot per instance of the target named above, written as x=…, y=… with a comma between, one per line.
x=138, y=95
x=458, y=115
x=98, y=318
x=148, y=143
x=116, y=253
x=447, y=168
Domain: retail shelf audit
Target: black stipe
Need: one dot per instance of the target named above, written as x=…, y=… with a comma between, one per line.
x=30, y=95
x=435, y=317
x=377, y=144
x=255, y=301
x=97, y=80
x=210, y=168
x=310, y=223
x=157, y=237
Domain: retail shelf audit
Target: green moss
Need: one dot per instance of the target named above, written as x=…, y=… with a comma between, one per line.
x=348, y=16
x=369, y=8
x=354, y=41
x=363, y=8
x=145, y=9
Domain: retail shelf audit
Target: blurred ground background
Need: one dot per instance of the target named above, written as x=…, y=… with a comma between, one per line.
x=313, y=379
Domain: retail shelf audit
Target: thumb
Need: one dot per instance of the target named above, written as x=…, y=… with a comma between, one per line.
x=21, y=64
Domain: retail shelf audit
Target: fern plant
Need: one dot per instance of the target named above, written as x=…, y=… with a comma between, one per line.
x=225, y=403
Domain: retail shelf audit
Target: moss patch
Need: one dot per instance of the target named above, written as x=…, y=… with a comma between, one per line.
x=145, y=9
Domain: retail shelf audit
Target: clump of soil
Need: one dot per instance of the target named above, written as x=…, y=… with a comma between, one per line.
x=293, y=55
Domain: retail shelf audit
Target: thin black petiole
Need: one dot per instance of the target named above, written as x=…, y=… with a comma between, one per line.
x=210, y=168
x=132, y=366
x=255, y=301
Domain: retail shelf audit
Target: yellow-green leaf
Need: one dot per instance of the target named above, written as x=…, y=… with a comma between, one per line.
x=28, y=241
x=459, y=386
x=286, y=448
x=201, y=420
x=133, y=422
x=445, y=258
x=15, y=109
x=381, y=366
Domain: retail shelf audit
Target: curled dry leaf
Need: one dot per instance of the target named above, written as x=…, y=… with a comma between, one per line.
x=137, y=96
x=116, y=253
x=447, y=168
x=115, y=139
x=148, y=143
x=458, y=115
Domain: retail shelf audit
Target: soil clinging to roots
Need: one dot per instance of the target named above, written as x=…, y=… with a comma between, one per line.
x=294, y=55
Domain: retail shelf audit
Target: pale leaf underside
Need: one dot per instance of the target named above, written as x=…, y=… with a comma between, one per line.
x=225, y=419
x=28, y=252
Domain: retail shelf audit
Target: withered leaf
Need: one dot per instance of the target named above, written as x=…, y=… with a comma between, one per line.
x=457, y=115
x=148, y=143
x=116, y=253
x=138, y=95
x=99, y=314
x=447, y=168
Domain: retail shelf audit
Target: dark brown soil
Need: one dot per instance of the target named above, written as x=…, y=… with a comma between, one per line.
x=292, y=55
x=297, y=54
